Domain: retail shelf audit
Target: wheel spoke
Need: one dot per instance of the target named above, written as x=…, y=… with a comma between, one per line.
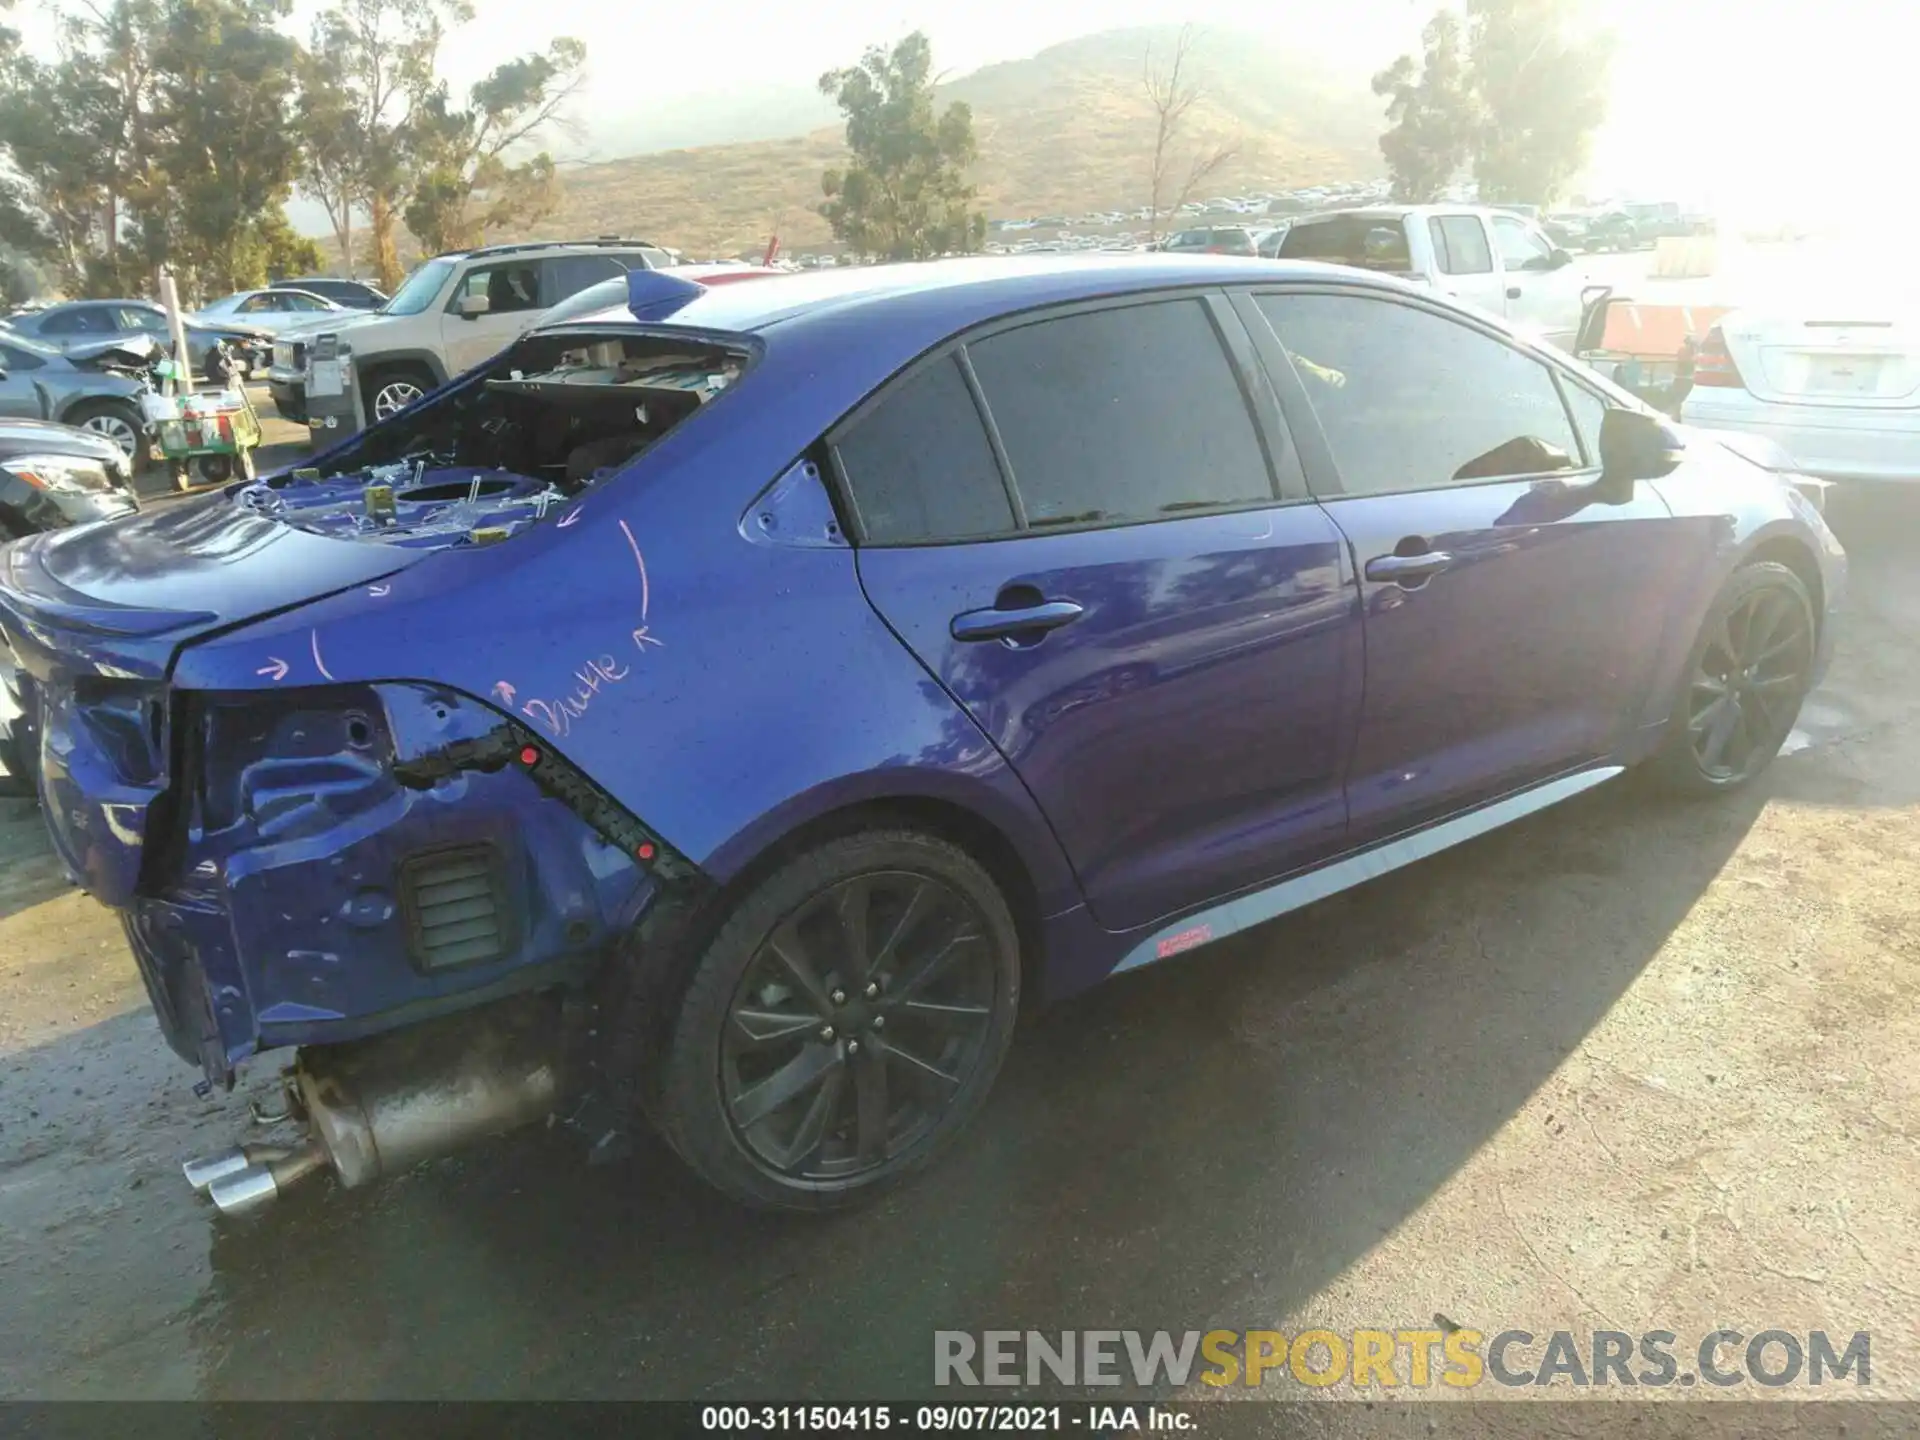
x=871, y=1105
x=1741, y=743
x=789, y=951
x=1720, y=733
x=756, y=1029
x=944, y=1016
x=1710, y=713
x=1776, y=685
x=919, y=905
x=853, y=908
x=1764, y=617
x=922, y=1068
x=821, y=1113
x=1723, y=640
x=1790, y=641
x=784, y=1085
x=935, y=961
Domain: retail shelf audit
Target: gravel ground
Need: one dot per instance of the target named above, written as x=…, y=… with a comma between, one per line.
x=1627, y=1066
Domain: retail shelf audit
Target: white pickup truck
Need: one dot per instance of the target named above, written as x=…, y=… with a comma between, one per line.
x=1500, y=262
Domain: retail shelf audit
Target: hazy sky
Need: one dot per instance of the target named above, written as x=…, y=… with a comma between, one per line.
x=1733, y=101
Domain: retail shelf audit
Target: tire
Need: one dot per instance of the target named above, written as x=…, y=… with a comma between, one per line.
x=393, y=387
x=1755, y=650
x=862, y=1110
x=116, y=421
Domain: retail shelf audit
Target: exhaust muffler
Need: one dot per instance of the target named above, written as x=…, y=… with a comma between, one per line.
x=378, y=1106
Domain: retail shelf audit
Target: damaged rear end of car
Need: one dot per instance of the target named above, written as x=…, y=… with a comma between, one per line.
x=258, y=735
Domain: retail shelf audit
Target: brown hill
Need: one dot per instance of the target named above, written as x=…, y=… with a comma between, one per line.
x=1063, y=132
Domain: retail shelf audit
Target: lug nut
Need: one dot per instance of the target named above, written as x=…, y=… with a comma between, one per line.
x=826, y=1034
x=839, y=997
x=873, y=990
x=879, y=1022
x=853, y=1047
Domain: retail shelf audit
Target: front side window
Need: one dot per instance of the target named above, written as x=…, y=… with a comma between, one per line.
x=1588, y=411
x=262, y=304
x=138, y=317
x=17, y=358
x=1119, y=415
x=508, y=288
x=1460, y=245
x=1521, y=246
x=919, y=465
x=1410, y=400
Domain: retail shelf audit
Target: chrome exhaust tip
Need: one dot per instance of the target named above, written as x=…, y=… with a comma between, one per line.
x=246, y=1190
x=203, y=1173
x=263, y=1173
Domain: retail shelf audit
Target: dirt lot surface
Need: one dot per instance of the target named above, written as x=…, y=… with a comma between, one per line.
x=1627, y=1066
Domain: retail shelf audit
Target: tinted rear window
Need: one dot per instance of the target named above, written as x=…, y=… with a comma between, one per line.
x=1371, y=242
x=920, y=466
x=1120, y=415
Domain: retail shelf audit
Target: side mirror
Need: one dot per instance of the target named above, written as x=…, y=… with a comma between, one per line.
x=3, y=372
x=1636, y=446
x=1560, y=259
x=472, y=307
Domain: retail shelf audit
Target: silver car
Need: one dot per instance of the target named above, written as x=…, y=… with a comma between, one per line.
x=272, y=310
x=97, y=387
x=83, y=323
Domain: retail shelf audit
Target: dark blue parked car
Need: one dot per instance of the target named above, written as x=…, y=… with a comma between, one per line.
x=729, y=706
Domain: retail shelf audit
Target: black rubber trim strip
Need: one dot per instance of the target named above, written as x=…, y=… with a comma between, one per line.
x=514, y=745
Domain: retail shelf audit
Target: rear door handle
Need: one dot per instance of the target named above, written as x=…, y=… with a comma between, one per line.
x=1408, y=569
x=1027, y=622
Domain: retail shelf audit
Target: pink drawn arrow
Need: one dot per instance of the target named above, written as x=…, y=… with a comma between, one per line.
x=505, y=691
x=274, y=669
x=571, y=516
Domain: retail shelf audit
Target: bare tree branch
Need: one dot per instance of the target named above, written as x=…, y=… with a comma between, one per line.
x=1172, y=91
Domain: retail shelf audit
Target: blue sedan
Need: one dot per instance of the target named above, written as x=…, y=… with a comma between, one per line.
x=730, y=705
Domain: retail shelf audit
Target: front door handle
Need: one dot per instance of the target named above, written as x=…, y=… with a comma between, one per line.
x=1408, y=570
x=1025, y=622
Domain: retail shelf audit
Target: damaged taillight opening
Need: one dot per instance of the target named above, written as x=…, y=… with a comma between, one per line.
x=338, y=859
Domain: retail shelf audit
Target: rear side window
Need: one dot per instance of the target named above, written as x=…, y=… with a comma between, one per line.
x=570, y=274
x=1121, y=414
x=1371, y=242
x=919, y=464
x=1410, y=400
x=1460, y=245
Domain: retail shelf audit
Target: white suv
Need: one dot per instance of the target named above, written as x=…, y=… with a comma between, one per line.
x=451, y=313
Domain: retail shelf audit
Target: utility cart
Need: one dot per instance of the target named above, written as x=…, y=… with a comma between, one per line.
x=208, y=433
x=1647, y=349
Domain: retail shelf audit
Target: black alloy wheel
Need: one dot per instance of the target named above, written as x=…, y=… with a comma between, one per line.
x=845, y=1023
x=857, y=1023
x=1750, y=670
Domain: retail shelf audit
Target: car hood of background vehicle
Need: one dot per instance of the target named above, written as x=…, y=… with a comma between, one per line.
x=330, y=322
x=44, y=437
x=132, y=351
x=139, y=587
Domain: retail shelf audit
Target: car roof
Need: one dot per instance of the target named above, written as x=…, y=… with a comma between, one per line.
x=959, y=293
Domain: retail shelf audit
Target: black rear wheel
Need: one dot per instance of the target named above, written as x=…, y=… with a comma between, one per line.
x=845, y=1024
x=1751, y=667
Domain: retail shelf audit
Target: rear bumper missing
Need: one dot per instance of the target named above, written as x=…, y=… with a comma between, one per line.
x=363, y=859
